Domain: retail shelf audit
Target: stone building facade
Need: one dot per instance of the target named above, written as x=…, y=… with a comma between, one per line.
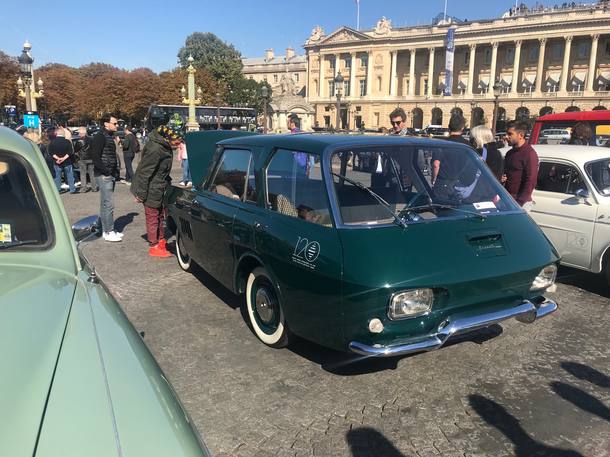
x=548, y=60
x=287, y=76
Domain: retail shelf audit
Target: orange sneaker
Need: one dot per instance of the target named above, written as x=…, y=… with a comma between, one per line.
x=158, y=251
x=162, y=244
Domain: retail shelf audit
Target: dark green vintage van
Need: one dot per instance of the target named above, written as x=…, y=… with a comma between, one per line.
x=345, y=240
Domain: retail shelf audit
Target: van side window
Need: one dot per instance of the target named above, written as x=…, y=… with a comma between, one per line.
x=232, y=174
x=295, y=187
x=559, y=178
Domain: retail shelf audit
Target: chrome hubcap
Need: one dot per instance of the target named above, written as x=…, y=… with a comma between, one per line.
x=264, y=305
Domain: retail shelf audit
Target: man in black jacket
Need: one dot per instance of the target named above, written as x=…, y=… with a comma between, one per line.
x=82, y=147
x=106, y=170
x=61, y=150
x=152, y=179
x=131, y=147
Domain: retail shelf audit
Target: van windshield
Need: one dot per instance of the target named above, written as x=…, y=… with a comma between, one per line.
x=402, y=177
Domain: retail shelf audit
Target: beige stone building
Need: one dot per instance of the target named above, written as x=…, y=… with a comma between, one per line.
x=548, y=60
x=287, y=76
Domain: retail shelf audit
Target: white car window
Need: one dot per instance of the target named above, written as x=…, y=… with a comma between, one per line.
x=559, y=177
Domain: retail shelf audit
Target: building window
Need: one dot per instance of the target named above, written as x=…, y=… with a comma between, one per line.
x=265, y=78
x=333, y=63
x=378, y=83
x=295, y=77
x=534, y=54
x=346, y=88
x=584, y=50
x=331, y=88
x=364, y=60
x=608, y=48
x=466, y=58
x=376, y=119
x=274, y=78
x=362, y=87
x=487, y=56
x=327, y=121
x=557, y=51
x=510, y=55
x=348, y=62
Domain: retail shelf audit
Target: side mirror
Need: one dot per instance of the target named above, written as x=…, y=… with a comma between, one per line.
x=86, y=228
x=582, y=193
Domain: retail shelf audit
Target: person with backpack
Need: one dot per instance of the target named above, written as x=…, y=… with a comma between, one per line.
x=82, y=148
x=131, y=146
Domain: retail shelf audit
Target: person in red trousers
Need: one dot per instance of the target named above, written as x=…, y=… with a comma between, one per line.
x=151, y=180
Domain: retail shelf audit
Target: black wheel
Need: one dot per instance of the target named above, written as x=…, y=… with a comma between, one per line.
x=606, y=268
x=265, y=311
x=184, y=260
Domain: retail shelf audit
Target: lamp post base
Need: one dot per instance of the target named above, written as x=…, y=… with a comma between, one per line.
x=192, y=127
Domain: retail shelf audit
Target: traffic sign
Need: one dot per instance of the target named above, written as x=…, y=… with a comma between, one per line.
x=31, y=121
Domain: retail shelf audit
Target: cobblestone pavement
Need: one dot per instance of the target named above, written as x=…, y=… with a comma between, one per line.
x=520, y=390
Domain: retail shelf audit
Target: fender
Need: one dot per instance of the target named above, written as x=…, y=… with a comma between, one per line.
x=251, y=255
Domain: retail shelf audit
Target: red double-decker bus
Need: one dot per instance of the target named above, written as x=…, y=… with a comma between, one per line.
x=556, y=128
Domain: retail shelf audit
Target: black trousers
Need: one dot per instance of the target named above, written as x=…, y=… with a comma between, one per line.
x=128, y=166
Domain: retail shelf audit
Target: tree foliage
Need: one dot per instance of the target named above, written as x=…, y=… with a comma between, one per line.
x=221, y=60
x=9, y=73
x=85, y=93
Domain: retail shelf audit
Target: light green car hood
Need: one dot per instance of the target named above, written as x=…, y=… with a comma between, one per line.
x=81, y=381
x=34, y=308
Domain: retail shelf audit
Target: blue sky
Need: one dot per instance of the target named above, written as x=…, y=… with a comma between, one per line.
x=150, y=33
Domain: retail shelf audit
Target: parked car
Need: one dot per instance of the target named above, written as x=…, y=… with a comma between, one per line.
x=77, y=379
x=554, y=136
x=372, y=260
x=573, y=204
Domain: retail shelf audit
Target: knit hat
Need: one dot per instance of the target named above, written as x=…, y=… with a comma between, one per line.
x=170, y=132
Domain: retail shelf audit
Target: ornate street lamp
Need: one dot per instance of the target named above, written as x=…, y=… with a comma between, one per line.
x=25, y=83
x=338, y=87
x=265, y=96
x=192, y=125
x=497, y=88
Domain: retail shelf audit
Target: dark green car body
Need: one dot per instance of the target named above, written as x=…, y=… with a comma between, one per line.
x=333, y=278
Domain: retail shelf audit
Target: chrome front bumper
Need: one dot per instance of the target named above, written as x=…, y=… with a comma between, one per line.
x=526, y=312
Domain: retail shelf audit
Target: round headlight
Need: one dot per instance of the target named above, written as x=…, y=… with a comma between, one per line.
x=410, y=303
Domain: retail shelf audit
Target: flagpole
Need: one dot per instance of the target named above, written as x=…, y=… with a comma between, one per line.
x=445, y=14
x=358, y=15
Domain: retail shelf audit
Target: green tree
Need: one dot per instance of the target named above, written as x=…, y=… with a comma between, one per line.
x=221, y=60
x=247, y=92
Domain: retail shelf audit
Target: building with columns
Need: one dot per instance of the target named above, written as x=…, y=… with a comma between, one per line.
x=287, y=76
x=547, y=60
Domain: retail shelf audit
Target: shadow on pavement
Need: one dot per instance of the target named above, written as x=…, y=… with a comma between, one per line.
x=591, y=282
x=347, y=364
x=586, y=373
x=367, y=442
x=581, y=399
x=123, y=221
x=525, y=446
x=224, y=294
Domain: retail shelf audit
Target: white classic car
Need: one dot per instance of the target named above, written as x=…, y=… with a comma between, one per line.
x=572, y=204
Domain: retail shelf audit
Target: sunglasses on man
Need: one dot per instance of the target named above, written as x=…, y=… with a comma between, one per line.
x=396, y=122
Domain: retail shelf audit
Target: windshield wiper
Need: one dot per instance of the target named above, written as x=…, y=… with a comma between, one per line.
x=18, y=243
x=377, y=197
x=441, y=206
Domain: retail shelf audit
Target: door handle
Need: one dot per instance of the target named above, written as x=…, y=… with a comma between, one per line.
x=258, y=226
